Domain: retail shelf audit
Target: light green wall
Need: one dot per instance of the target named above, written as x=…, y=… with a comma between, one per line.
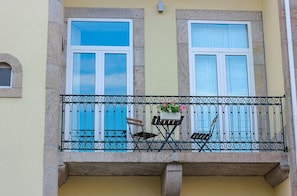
x=23, y=34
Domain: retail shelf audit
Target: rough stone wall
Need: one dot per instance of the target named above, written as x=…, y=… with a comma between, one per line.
x=53, y=88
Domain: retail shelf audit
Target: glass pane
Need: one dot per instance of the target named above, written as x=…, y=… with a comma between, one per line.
x=83, y=113
x=219, y=35
x=83, y=74
x=206, y=85
x=239, y=116
x=115, y=83
x=115, y=80
x=206, y=75
x=5, y=76
x=237, y=77
x=99, y=33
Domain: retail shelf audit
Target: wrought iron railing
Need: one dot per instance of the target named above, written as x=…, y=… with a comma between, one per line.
x=244, y=124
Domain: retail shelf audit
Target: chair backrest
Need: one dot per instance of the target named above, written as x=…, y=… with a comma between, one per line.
x=206, y=136
x=136, y=122
x=213, y=125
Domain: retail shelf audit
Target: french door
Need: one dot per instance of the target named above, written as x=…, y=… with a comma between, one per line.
x=221, y=64
x=98, y=73
x=224, y=74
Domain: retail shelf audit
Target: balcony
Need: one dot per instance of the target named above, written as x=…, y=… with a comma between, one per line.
x=248, y=139
x=245, y=124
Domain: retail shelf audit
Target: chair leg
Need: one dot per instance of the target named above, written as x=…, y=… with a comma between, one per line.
x=136, y=145
x=208, y=147
x=201, y=147
x=204, y=145
x=149, y=144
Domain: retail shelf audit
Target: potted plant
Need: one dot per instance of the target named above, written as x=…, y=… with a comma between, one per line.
x=170, y=110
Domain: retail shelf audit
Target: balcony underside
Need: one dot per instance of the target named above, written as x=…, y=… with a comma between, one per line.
x=271, y=165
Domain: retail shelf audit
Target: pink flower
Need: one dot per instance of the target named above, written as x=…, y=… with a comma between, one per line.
x=171, y=107
x=182, y=107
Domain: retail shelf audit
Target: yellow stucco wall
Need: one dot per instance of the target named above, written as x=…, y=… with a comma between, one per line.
x=160, y=30
x=161, y=55
x=226, y=186
x=160, y=34
x=283, y=189
x=273, y=47
x=124, y=186
x=151, y=186
x=152, y=4
x=23, y=34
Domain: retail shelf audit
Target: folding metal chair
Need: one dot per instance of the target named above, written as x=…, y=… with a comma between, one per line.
x=202, y=138
x=138, y=133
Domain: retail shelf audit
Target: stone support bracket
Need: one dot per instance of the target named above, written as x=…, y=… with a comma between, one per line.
x=278, y=174
x=172, y=180
x=63, y=174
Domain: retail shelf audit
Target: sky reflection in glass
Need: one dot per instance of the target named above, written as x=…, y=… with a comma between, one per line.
x=100, y=33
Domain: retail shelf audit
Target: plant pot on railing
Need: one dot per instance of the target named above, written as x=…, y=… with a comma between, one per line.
x=170, y=116
x=170, y=111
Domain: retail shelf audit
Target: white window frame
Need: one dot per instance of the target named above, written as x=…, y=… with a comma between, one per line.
x=221, y=53
x=97, y=49
x=99, y=52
